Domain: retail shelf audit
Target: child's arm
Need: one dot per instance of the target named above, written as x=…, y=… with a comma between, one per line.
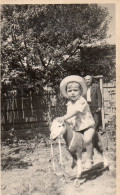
x=78, y=107
x=67, y=116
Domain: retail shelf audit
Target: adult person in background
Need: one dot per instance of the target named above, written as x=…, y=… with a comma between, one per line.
x=94, y=99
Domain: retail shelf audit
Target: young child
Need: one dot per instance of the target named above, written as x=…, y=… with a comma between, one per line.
x=78, y=114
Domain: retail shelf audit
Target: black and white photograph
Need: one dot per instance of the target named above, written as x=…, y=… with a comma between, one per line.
x=58, y=99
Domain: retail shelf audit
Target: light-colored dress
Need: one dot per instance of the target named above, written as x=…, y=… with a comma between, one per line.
x=83, y=119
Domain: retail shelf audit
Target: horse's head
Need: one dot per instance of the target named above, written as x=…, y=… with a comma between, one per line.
x=57, y=129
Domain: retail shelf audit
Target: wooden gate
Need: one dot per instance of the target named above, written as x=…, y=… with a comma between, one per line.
x=108, y=91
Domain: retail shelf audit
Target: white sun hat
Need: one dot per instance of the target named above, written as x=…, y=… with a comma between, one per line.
x=72, y=78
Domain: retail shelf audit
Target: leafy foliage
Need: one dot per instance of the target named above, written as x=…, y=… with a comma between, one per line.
x=43, y=43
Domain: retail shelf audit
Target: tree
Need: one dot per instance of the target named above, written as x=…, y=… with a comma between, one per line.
x=43, y=43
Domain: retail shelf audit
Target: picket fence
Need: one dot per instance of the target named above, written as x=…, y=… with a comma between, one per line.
x=28, y=115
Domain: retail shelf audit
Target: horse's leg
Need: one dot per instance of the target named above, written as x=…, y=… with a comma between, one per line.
x=98, y=145
x=74, y=162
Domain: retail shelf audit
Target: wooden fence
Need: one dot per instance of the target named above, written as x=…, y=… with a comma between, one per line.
x=30, y=114
x=109, y=100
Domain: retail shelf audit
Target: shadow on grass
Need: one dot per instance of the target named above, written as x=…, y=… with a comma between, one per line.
x=12, y=163
x=95, y=172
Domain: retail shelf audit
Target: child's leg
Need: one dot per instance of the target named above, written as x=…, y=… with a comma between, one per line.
x=88, y=137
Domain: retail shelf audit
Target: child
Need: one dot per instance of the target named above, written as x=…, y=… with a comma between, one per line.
x=78, y=114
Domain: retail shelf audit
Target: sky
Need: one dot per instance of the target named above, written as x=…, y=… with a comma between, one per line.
x=112, y=26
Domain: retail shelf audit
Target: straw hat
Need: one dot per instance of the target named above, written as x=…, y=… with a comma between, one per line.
x=72, y=78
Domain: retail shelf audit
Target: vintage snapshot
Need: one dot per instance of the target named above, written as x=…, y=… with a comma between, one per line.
x=58, y=99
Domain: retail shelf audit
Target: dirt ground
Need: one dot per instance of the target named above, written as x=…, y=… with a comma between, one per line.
x=27, y=169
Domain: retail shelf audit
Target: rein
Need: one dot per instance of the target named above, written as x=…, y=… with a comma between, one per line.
x=72, y=140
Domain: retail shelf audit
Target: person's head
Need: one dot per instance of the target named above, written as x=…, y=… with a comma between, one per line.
x=88, y=80
x=70, y=82
x=74, y=90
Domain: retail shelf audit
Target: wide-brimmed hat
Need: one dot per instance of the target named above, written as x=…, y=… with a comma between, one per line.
x=72, y=78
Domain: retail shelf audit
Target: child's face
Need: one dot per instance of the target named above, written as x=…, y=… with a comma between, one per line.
x=73, y=91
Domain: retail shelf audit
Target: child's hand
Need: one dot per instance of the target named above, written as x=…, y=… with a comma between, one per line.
x=60, y=119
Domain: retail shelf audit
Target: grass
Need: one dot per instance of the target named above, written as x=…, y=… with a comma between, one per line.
x=26, y=169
